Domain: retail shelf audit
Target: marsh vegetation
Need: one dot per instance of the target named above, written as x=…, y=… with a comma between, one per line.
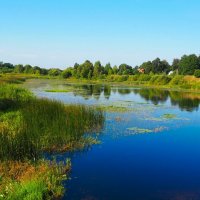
x=29, y=127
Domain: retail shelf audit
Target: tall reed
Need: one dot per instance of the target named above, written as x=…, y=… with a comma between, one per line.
x=39, y=124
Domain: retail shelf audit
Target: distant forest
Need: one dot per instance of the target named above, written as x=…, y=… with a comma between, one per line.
x=187, y=65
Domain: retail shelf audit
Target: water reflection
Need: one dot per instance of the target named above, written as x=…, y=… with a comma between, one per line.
x=184, y=100
x=187, y=101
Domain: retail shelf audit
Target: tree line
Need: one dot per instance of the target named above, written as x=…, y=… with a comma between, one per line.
x=186, y=65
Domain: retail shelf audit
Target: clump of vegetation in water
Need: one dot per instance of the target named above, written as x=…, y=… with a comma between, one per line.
x=57, y=90
x=169, y=116
x=113, y=108
x=136, y=130
x=28, y=128
x=165, y=117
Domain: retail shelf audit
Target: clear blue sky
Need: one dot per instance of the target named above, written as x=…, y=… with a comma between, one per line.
x=58, y=33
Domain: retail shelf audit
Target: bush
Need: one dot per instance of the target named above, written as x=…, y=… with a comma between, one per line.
x=162, y=80
x=12, y=92
x=197, y=73
x=177, y=80
x=144, y=77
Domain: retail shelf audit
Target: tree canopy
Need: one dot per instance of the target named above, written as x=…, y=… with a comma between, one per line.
x=187, y=65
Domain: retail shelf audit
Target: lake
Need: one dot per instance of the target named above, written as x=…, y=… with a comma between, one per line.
x=150, y=144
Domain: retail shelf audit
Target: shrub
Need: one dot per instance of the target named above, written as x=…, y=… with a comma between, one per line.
x=197, y=73
x=177, y=80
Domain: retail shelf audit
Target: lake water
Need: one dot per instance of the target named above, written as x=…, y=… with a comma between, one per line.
x=150, y=144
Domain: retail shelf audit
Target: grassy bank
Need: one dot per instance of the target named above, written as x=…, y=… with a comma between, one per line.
x=29, y=127
x=178, y=82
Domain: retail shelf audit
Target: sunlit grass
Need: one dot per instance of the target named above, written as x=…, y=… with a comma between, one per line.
x=29, y=127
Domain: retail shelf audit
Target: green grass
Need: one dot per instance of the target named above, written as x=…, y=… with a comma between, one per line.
x=44, y=124
x=26, y=181
x=29, y=125
x=28, y=128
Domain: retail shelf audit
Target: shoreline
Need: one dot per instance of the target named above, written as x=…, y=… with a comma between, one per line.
x=128, y=83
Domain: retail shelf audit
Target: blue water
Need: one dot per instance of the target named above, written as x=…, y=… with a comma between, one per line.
x=161, y=165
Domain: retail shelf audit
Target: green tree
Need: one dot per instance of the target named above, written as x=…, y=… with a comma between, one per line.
x=175, y=64
x=28, y=69
x=19, y=68
x=54, y=72
x=115, y=69
x=108, y=69
x=43, y=71
x=147, y=66
x=97, y=69
x=67, y=73
x=197, y=73
x=188, y=64
x=86, y=68
x=37, y=70
x=125, y=69
x=160, y=66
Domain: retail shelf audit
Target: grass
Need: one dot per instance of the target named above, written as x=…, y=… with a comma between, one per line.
x=28, y=128
x=24, y=180
x=42, y=124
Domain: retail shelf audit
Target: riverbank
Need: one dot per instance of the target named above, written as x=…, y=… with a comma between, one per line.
x=180, y=83
x=175, y=82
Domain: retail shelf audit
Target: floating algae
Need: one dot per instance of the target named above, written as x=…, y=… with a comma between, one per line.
x=169, y=116
x=136, y=130
x=165, y=117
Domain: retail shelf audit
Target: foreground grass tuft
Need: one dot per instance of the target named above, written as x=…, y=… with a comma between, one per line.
x=24, y=180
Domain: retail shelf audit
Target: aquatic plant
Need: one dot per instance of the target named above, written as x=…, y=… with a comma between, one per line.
x=136, y=130
x=28, y=128
x=57, y=90
x=44, y=124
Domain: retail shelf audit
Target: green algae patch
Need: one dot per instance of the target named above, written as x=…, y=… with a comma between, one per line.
x=169, y=116
x=113, y=108
x=137, y=130
x=164, y=117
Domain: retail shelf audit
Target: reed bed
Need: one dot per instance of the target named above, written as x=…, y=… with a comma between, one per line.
x=36, y=125
x=28, y=128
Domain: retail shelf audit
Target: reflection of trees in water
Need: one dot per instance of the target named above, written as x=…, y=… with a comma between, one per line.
x=97, y=91
x=185, y=101
x=87, y=91
x=153, y=95
x=124, y=90
x=107, y=91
